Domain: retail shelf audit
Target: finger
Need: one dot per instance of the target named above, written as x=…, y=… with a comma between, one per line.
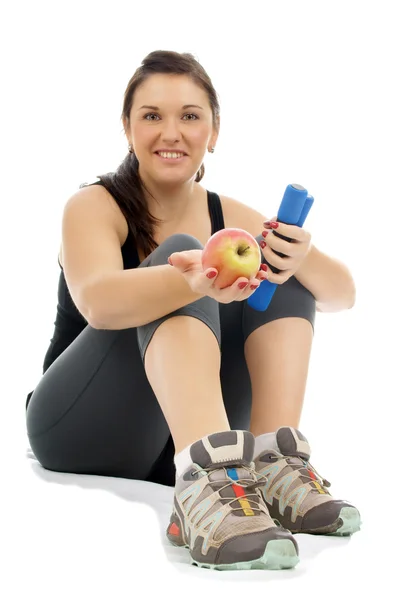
x=262, y=272
x=210, y=276
x=267, y=222
x=279, y=262
x=254, y=284
x=234, y=291
x=279, y=245
x=259, y=278
x=242, y=287
x=295, y=233
x=176, y=260
x=281, y=277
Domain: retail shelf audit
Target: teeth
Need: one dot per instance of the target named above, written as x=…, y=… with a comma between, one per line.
x=170, y=154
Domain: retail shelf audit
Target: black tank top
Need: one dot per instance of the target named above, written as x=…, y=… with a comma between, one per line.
x=69, y=322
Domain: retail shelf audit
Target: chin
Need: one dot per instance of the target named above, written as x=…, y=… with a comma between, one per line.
x=174, y=178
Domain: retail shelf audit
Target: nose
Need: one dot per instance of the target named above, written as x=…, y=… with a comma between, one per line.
x=171, y=131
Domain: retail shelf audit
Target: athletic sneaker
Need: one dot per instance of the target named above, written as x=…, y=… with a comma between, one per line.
x=219, y=513
x=296, y=495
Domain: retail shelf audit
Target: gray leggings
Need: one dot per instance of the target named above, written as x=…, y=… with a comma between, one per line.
x=94, y=411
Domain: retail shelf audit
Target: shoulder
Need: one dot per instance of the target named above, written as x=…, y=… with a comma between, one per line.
x=239, y=214
x=95, y=199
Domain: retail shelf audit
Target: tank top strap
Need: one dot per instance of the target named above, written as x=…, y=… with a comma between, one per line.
x=215, y=211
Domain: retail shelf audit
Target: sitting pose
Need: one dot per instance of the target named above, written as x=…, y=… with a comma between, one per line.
x=155, y=374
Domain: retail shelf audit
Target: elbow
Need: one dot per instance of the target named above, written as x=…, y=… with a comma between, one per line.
x=93, y=318
x=100, y=320
x=93, y=313
x=97, y=319
x=97, y=323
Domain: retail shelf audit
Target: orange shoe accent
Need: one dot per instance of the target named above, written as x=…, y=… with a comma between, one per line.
x=174, y=529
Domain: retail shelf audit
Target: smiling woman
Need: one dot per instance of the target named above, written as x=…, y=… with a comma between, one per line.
x=155, y=374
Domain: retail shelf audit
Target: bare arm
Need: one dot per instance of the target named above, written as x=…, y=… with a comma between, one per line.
x=108, y=296
x=138, y=296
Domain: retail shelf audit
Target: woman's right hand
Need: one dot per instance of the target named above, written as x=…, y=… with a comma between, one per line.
x=189, y=263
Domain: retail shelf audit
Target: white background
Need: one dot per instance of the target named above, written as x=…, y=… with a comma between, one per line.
x=308, y=95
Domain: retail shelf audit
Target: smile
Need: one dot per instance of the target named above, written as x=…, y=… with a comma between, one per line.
x=170, y=156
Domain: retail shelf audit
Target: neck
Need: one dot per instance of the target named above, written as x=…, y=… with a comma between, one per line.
x=170, y=203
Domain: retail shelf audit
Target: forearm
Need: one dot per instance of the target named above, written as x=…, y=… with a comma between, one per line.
x=134, y=297
x=328, y=279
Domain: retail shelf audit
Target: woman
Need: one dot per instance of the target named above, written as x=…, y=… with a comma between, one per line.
x=154, y=373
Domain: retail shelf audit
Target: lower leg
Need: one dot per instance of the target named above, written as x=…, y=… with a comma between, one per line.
x=182, y=363
x=277, y=356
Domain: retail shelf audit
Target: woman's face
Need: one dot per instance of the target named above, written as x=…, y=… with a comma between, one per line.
x=171, y=113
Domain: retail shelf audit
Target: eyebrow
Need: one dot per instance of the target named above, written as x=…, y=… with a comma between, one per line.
x=183, y=108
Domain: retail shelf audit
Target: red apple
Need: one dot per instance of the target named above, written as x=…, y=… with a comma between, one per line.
x=234, y=253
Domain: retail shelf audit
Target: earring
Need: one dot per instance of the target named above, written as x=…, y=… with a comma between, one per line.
x=131, y=149
x=212, y=150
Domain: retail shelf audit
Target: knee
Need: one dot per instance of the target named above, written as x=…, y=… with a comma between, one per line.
x=177, y=242
x=182, y=241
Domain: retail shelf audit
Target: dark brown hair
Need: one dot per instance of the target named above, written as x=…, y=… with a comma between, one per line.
x=125, y=184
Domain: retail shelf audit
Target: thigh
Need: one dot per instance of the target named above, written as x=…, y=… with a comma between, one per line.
x=291, y=299
x=94, y=410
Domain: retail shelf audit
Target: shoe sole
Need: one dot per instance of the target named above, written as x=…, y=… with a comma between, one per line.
x=351, y=521
x=278, y=554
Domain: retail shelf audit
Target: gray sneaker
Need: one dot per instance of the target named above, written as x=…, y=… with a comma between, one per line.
x=219, y=513
x=296, y=495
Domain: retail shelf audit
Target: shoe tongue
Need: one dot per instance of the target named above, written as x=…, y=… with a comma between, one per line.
x=224, y=449
x=291, y=442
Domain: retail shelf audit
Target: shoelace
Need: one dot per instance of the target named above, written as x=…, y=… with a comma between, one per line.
x=309, y=467
x=254, y=483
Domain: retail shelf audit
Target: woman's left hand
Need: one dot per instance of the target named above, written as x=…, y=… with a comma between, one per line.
x=295, y=251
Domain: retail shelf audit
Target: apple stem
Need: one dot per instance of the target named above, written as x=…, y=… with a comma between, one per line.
x=240, y=252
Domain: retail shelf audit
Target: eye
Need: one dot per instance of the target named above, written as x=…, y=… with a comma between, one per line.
x=150, y=115
x=192, y=115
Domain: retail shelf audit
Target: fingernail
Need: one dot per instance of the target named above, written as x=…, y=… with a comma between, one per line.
x=274, y=224
x=242, y=285
x=212, y=274
x=169, y=261
x=264, y=267
x=265, y=233
x=253, y=287
x=263, y=244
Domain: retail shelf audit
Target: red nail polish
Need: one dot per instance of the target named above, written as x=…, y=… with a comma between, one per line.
x=264, y=267
x=263, y=244
x=253, y=287
x=265, y=233
x=211, y=275
x=242, y=285
x=274, y=224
